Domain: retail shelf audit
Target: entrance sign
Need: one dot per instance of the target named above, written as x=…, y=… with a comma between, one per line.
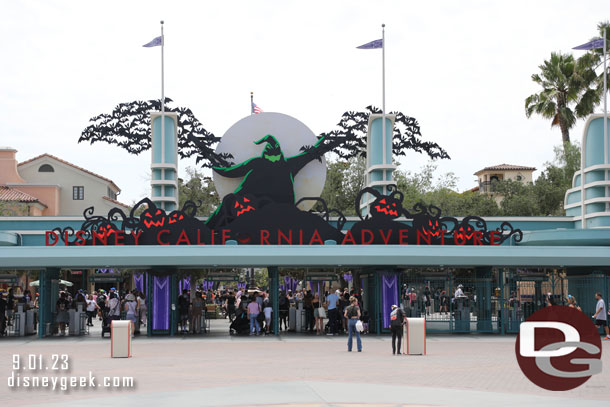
x=223, y=277
x=268, y=168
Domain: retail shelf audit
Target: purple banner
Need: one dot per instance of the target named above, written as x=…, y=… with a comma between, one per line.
x=160, y=302
x=184, y=284
x=138, y=281
x=389, y=296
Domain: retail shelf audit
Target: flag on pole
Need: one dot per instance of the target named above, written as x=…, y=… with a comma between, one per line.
x=154, y=43
x=372, y=45
x=256, y=109
x=594, y=44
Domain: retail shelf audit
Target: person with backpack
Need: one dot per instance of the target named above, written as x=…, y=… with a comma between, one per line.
x=397, y=318
x=352, y=314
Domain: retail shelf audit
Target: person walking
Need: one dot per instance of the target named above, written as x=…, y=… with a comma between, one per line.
x=142, y=306
x=114, y=307
x=253, y=310
x=352, y=313
x=131, y=311
x=268, y=310
x=600, y=315
x=397, y=319
x=284, y=310
x=184, y=304
x=62, y=318
x=197, y=312
x=92, y=309
x=333, y=313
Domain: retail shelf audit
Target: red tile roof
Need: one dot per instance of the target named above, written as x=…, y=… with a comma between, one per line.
x=71, y=165
x=506, y=167
x=8, y=194
x=116, y=202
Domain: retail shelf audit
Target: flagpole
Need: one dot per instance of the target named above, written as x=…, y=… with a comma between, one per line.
x=383, y=100
x=251, y=103
x=162, y=93
x=605, y=102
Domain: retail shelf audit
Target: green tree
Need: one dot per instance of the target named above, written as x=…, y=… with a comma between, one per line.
x=546, y=196
x=344, y=179
x=200, y=190
x=570, y=90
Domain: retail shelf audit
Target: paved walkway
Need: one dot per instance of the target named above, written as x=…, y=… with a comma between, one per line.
x=294, y=370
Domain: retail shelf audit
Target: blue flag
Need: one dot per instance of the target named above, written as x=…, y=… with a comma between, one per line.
x=595, y=44
x=154, y=43
x=372, y=45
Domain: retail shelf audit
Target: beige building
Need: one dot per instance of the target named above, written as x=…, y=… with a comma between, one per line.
x=502, y=172
x=49, y=186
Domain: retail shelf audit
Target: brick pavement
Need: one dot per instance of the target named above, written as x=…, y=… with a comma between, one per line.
x=163, y=365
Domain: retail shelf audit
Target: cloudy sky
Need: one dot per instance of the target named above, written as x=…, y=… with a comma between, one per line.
x=462, y=68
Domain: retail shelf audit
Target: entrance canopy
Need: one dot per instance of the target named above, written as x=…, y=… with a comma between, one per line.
x=292, y=256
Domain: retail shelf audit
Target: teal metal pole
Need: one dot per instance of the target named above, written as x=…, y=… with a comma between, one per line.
x=502, y=316
x=46, y=305
x=274, y=276
x=149, y=312
x=173, y=313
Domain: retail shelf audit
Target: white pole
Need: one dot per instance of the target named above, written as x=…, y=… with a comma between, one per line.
x=605, y=114
x=383, y=101
x=162, y=108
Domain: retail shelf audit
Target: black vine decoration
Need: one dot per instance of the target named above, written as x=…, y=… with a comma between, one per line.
x=406, y=135
x=326, y=213
x=128, y=126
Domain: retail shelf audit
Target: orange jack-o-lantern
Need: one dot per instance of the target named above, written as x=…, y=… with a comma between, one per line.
x=106, y=230
x=153, y=217
x=174, y=217
x=386, y=207
x=242, y=205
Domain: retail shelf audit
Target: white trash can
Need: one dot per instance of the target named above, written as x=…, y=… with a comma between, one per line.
x=415, y=336
x=120, y=339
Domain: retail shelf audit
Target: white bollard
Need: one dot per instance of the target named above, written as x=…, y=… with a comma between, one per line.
x=120, y=339
x=415, y=336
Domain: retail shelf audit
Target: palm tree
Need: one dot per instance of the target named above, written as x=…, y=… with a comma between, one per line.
x=570, y=90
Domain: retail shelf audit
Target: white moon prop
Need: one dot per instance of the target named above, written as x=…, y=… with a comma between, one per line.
x=291, y=134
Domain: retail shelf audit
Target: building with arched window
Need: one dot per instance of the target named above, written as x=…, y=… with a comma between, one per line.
x=49, y=186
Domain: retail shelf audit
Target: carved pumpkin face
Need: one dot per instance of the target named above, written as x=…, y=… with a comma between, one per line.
x=174, y=217
x=242, y=205
x=106, y=229
x=386, y=207
x=433, y=227
x=465, y=232
x=153, y=217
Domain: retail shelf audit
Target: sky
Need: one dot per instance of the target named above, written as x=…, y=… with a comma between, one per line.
x=461, y=68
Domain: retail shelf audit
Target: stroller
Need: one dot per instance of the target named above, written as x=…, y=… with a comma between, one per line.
x=106, y=320
x=240, y=325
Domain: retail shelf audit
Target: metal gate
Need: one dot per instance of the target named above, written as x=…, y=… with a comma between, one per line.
x=436, y=296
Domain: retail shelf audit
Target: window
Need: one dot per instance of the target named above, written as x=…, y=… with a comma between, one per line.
x=78, y=193
x=46, y=168
x=110, y=193
x=519, y=178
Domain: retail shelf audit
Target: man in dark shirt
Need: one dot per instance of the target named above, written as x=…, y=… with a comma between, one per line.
x=231, y=306
x=184, y=303
x=308, y=306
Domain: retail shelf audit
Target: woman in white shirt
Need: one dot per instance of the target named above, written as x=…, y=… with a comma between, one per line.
x=92, y=309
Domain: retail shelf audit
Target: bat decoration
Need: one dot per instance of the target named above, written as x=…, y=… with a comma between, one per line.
x=128, y=126
x=351, y=135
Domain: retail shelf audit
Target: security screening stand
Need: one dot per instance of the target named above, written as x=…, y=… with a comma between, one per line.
x=415, y=336
x=120, y=339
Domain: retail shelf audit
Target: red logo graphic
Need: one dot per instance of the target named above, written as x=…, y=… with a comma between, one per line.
x=558, y=348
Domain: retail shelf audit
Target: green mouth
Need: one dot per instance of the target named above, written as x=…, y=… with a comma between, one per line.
x=273, y=158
